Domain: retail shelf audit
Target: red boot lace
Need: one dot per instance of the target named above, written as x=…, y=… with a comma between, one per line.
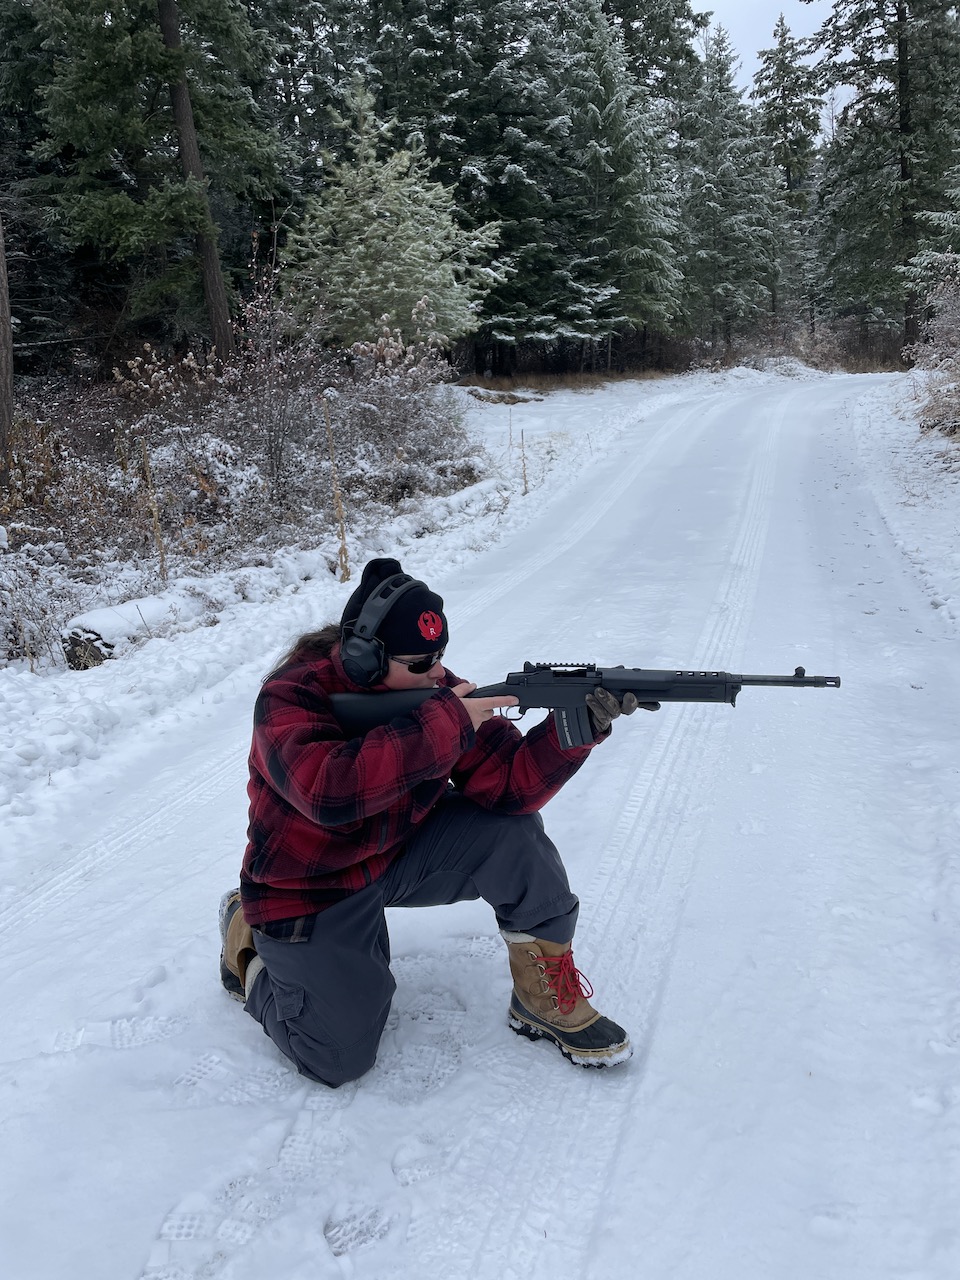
x=568, y=983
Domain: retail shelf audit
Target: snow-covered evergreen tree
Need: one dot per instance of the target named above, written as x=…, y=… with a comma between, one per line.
x=415, y=52
x=312, y=49
x=621, y=213
x=504, y=142
x=789, y=100
x=116, y=187
x=729, y=207
x=660, y=37
x=788, y=97
x=544, y=130
x=897, y=139
x=938, y=255
x=381, y=248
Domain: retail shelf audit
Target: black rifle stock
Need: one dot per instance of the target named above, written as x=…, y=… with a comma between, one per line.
x=563, y=688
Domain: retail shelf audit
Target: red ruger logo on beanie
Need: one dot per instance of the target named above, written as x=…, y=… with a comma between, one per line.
x=431, y=625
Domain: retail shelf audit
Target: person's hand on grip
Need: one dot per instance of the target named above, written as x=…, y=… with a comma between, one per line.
x=604, y=707
x=480, y=709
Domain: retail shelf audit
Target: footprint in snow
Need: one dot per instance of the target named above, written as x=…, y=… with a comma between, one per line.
x=419, y=1158
x=313, y=1145
x=315, y=1141
x=121, y=1033
x=422, y=1049
x=211, y=1080
x=198, y=1237
x=485, y=948
x=348, y=1229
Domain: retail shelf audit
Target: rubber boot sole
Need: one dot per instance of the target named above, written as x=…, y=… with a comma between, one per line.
x=610, y=1055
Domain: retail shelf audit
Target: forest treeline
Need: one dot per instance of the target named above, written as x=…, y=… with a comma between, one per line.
x=569, y=186
x=244, y=246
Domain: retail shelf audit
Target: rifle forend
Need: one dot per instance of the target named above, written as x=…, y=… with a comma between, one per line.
x=563, y=688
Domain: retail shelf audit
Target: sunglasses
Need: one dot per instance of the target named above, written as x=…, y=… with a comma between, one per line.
x=419, y=666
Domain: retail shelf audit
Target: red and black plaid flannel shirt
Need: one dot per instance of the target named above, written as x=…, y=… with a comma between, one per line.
x=328, y=815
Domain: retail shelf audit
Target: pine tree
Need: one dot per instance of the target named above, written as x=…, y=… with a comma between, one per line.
x=897, y=138
x=622, y=269
x=660, y=38
x=504, y=146
x=938, y=255
x=45, y=293
x=789, y=101
x=518, y=104
x=729, y=207
x=787, y=93
x=312, y=50
x=116, y=189
x=418, y=54
x=6, y=367
x=381, y=247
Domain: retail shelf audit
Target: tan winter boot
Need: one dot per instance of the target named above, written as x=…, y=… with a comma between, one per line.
x=237, y=952
x=550, y=999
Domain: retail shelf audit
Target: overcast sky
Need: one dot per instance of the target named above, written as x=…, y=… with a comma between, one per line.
x=750, y=24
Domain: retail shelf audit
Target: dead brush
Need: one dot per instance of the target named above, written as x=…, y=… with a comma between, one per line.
x=153, y=379
x=937, y=354
x=175, y=468
x=37, y=454
x=546, y=382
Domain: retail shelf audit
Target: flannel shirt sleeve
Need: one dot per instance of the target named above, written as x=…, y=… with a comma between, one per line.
x=299, y=748
x=513, y=773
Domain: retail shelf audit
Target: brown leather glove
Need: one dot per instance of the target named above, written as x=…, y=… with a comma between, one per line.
x=604, y=707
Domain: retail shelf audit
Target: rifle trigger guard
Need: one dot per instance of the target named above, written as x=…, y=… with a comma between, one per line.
x=505, y=712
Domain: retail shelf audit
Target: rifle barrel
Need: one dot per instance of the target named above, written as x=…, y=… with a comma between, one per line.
x=798, y=679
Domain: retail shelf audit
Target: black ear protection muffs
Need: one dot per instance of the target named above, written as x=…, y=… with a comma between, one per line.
x=364, y=658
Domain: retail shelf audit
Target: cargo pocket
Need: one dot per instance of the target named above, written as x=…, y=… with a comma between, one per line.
x=289, y=998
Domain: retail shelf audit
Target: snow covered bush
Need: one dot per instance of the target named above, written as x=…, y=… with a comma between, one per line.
x=381, y=236
x=183, y=468
x=938, y=351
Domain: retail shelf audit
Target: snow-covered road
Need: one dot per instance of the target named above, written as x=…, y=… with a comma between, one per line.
x=770, y=903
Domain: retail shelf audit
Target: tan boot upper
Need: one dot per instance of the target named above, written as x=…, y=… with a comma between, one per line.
x=238, y=948
x=549, y=985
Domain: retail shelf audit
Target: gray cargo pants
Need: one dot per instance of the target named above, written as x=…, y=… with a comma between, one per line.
x=324, y=1001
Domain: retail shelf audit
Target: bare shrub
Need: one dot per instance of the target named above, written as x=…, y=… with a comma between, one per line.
x=180, y=467
x=937, y=353
x=35, y=596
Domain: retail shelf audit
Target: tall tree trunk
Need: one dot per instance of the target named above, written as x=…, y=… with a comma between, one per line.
x=6, y=369
x=908, y=220
x=214, y=287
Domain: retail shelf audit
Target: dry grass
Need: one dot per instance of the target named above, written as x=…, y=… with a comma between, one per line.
x=546, y=382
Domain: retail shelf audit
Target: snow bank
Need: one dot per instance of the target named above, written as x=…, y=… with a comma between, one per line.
x=915, y=478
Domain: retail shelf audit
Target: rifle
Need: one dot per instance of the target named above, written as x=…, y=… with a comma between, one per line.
x=563, y=687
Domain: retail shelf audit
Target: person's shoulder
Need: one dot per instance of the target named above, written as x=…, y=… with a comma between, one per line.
x=313, y=675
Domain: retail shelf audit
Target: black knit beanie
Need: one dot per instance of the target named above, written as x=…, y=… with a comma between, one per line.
x=415, y=623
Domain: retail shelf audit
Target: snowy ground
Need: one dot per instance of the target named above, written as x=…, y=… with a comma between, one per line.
x=770, y=895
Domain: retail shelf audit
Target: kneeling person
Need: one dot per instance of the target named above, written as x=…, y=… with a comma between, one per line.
x=437, y=806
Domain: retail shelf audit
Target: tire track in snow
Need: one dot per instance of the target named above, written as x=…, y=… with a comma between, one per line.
x=689, y=422
x=58, y=880
x=513, y=1228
